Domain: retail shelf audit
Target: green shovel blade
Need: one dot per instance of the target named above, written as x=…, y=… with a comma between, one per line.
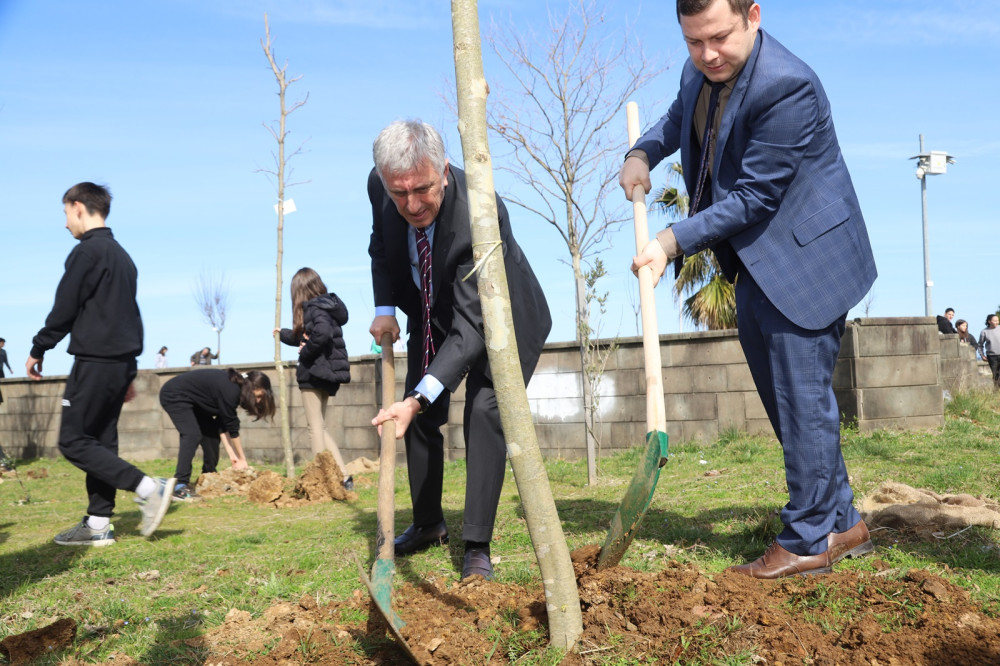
x=636, y=502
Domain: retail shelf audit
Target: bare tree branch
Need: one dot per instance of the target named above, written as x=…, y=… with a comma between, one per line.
x=569, y=85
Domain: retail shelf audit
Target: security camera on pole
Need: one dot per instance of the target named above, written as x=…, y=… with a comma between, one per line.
x=929, y=164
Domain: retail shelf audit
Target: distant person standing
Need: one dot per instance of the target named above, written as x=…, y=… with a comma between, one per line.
x=203, y=357
x=161, y=358
x=317, y=320
x=989, y=346
x=3, y=362
x=3, y=359
x=964, y=336
x=944, y=323
x=95, y=304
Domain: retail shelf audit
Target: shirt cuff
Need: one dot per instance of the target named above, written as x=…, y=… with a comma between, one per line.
x=430, y=388
x=385, y=310
x=638, y=152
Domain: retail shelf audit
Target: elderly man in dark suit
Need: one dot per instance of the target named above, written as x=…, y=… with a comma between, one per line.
x=421, y=251
x=778, y=208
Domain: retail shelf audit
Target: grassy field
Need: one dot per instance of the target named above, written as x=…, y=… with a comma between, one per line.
x=216, y=555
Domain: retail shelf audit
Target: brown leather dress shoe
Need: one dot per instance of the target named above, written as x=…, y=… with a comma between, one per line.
x=776, y=562
x=855, y=542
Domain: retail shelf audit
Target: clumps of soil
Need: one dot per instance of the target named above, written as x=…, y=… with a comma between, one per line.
x=321, y=481
x=25, y=648
x=227, y=482
x=677, y=615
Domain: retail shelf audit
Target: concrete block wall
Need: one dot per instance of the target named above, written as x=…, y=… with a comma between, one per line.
x=888, y=374
x=891, y=373
x=959, y=368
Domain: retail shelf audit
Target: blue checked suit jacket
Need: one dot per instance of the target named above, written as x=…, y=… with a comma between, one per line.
x=782, y=196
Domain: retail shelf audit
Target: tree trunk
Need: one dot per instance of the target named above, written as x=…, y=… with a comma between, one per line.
x=279, y=367
x=583, y=333
x=562, y=598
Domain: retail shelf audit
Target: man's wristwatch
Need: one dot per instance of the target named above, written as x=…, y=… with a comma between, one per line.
x=420, y=398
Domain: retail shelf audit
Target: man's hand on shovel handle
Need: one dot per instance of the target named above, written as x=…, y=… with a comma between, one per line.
x=657, y=254
x=402, y=413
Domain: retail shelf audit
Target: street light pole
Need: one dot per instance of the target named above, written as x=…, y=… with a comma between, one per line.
x=928, y=308
x=929, y=164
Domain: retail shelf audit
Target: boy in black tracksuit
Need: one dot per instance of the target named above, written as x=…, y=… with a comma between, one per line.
x=95, y=304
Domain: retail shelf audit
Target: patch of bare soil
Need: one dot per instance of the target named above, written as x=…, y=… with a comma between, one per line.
x=321, y=481
x=29, y=646
x=677, y=615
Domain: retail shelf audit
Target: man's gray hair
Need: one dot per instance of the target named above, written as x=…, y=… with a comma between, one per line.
x=406, y=144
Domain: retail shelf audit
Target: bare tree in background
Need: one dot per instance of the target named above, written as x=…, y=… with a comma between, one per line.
x=570, y=85
x=212, y=297
x=280, y=134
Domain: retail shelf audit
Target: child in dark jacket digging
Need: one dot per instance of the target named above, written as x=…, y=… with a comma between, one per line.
x=202, y=404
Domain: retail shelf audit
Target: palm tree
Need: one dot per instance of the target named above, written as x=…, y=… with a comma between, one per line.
x=711, y=298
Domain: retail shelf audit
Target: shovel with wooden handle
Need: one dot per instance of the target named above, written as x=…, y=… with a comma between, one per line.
x=639, y=494
x=380, y=583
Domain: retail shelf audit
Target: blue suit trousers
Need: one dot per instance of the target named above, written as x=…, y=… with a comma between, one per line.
x=792, y=368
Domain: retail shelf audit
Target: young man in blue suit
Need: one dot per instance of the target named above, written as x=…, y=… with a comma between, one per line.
x=779, y=210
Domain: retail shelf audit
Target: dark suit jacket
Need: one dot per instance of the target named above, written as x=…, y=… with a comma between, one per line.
x=782, y=196
x=456, y=315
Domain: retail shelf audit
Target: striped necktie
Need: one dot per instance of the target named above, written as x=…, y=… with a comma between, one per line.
x=426, y=289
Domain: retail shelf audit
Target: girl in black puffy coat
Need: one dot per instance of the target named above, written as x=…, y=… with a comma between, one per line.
x=317, y=318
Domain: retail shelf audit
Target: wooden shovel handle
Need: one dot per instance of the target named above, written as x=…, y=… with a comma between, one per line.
x=386, y=508
x=656, y=419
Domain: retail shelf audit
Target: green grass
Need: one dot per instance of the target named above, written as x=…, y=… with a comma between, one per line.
x=716, y=504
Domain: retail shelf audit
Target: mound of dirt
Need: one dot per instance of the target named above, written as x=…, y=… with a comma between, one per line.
x=321, y=481
x=677, y=615
x=227, y=482
x=29, y=646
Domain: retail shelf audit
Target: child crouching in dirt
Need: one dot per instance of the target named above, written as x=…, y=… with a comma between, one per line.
x=202, y=404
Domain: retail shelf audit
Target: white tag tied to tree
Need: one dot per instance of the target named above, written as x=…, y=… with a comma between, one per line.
x=288, y=206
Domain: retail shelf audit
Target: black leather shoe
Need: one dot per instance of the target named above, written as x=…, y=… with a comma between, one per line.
x=415, y=539
x=477, y=561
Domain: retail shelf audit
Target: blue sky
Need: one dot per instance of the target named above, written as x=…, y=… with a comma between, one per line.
x=166, y=101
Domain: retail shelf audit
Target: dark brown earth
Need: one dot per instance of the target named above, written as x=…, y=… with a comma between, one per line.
x=25, y=648
x=678, y=615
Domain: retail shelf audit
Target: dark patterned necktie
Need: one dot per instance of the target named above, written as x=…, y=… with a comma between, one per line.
x=707, y=151
x=426, y=288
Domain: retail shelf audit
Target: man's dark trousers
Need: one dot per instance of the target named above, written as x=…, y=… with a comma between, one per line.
x=792, y=368
x=485, y=454
x=88, y=435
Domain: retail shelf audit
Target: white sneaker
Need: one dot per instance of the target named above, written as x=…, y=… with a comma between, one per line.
x=154, y=507
x=84, y=535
